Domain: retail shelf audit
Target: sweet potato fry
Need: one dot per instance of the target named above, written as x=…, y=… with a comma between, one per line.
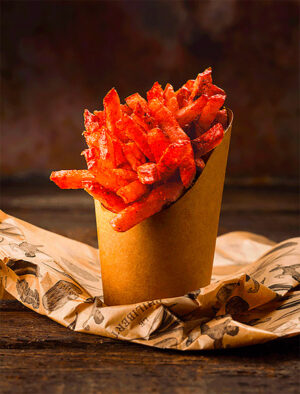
x=170, y=99
x=222, y=118
x=158, y=142
x=92, y=138
x=136, y=134
x=106, y=149
x=71, y=179
x=140, y=121
x=201, y=85
x=135, y=99
x=133, y=155
x=171, y=159
x=101, y=117
x=210, y=110
x=182, y=96
x=213, y=90
x=167, y=121
x=147, y=173
x=156, y=92
x=170, y=126
x=209, y=140
x=188, y=113
x=91, y=156
x=91, y=122
x=188, y=167
x=143, y=117
x=132, y=192
x=200, y=164
x=113, y=113
x=126, y=109
x=115, y=178
x=107, y=198
x=147, y=206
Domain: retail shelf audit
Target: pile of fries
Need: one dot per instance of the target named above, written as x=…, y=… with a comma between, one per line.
x=144, y=154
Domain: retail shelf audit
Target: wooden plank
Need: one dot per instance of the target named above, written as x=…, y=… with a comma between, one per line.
x=110, y=369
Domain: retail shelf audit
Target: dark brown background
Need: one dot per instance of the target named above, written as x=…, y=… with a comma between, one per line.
x=61, y=57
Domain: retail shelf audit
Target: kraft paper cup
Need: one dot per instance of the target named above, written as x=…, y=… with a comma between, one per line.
x=171, y=253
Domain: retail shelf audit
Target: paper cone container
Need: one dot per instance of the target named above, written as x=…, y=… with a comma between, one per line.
x=171, y=253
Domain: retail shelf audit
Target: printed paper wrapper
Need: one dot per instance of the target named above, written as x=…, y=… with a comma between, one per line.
x=171, y=253
x=253, y=297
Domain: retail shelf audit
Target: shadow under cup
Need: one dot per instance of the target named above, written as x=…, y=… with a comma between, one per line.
x=170, y=253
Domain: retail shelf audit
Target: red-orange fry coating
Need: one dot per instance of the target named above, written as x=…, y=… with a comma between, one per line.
x=133, y=155
x=113, y=113
x=167, y=121
x=183, y=95
x=135, y=99
x=209, y=140
x=132, y=192
x=222, y=118
x=148, y=173
x=135, y=133
x=171, y=159
x=147, y=206
x=156, y=92
x=210, y=110
x=170, y=98
x=188, y=113
x=71, y=179
x=158, y=142
x=202, y=84
x=107, y=198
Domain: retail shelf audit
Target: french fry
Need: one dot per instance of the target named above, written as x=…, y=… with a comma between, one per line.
x=170, y=126
x=115, y=178
x=140, y=156
x=210, y=110
x=135, y=99
x=142, y=116
x=156, y=92
x=141, y=122
x=188, y=167
x=183, y=95
x=167, y=121
x=92, y=138
x=158, y=142
x=101, y=118
x=107, y=198
x=106, y=149
x=91, y=156
x=71, y=179
x=113, y=113
x=200, y=164
x=201, y=85
x=132, y=192
x=147, y=173
x=91, y=122
x=170, y=99
x=147, y=206
x=209, y=140
x=222, y=118
x=171, y=159
x=126, y=109
x=136, y=134
x=213, y=90
x=133, y=155
x=190, y=112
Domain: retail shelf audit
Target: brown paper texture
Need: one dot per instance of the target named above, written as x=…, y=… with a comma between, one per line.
x=171, y=253
x=253, y=296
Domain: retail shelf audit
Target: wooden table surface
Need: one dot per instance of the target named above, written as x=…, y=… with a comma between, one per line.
x=39, y=356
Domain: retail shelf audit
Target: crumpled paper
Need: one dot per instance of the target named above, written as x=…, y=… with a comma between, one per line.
x=253, y=297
